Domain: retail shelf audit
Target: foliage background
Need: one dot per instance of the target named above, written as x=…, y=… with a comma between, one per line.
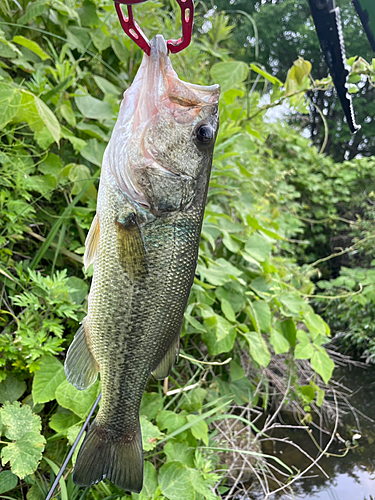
x=276, y=211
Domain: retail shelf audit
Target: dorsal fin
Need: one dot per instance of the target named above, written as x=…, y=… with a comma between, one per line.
x=131, y=248
x=92, y=242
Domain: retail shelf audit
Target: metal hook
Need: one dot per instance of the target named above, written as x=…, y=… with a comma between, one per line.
x=132, y=29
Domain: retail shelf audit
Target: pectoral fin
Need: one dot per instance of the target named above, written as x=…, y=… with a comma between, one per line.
x=131, y=248
x=81, y=368
x=92, y=243
x=165, y=367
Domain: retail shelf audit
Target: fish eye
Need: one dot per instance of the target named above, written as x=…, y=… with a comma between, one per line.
x=204, y=133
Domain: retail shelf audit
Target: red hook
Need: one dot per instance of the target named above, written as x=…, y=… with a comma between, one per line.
x=187, y=15
x=132, y=29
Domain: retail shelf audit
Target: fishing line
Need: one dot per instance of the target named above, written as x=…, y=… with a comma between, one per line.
x=64, y=465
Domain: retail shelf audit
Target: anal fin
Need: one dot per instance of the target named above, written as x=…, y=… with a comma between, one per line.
x=81, y=368
x=131, y=248
x=92, y=243
x=165, y=366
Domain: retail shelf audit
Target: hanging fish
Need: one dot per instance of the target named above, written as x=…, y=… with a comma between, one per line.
x=143, y=243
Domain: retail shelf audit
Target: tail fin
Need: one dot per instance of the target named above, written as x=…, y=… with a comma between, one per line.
x=120, y=460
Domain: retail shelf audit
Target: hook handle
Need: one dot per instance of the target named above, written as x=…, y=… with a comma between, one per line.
x=187, y=20
x=132, y=29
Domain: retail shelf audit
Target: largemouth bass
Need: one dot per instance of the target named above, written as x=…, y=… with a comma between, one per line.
x=144, y=245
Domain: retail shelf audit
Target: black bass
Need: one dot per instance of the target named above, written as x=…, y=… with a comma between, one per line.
x=144, y=245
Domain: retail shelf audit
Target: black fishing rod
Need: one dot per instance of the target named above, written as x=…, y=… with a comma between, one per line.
x=70, y=454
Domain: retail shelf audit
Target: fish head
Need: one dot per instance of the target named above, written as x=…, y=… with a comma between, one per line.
x=171, y=132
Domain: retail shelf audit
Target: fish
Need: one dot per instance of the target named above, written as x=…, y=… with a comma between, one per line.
x=143, y=244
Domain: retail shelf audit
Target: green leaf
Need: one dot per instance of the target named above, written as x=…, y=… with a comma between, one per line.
x=8, y=481
x=18, y=420
x=72, y=434
x=150, y=482
x=51, y=165
x=63, y=419
x=151, y=404
x=236, y=371
x=170, y=420
x=48, y=118
x=39, y=117
x=279, y=342
x=194, y=323
x=220, y=272
x=320, y=396
x=24, y=454
x=105, y=86
x=322, y=363
x=229, y=74
x=218, y=325
x=202, y=484
x=80, y=174
x=77, y=143
x=266, y=75
x=68, y=113
x=193, y=400
x=90, y=107
x=88, y=15
x=258, y=248
x=288, y=329
x=79, y=402
x=78, y=289
x=78, y=37
x=303, y=350
x=227, y=309
x=316, y=325
x=42, y=184
x=31, y=45
x=175, y=483
x=34, y=9
x=260, y=314
x=179, y=452
x=216, y=346
x=261, y=288
x=35, y=407
x=47, y=379
x=92, y=130
x=294, y=303
x=200, y=429
x=23, y=428
x=101, y=39
x=242, y=390
x=308, y=392
x=11, y=389
x=258, y=348
x=150, y=434
x=94, y=151
x=10, y=99
x=34, y=493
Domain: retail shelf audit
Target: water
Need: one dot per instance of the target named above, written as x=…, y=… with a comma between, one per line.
x=351, y=477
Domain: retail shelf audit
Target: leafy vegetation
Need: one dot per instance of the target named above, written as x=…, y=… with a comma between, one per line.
x=268, y=33
x=251, y=301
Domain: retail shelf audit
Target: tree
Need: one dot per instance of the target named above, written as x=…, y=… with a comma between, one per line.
x=285, y=32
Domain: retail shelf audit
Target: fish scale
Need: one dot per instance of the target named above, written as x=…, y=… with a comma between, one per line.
x=144, y=244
